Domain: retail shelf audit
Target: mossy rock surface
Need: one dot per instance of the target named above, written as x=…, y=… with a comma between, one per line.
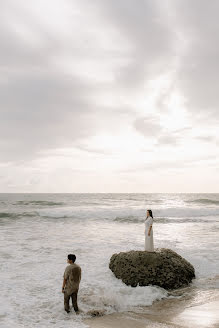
x=164, y=268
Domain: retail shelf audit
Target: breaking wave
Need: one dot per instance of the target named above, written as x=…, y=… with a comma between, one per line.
x=128, y=214
x=10, y=215
x=203, y=201
x=39, y=203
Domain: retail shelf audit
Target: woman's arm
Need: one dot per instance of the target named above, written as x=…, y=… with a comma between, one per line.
x=149, y=230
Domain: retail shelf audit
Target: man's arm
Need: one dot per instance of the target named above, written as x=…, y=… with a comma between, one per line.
x=65, y=277
x=63, y=285
x=80, y=275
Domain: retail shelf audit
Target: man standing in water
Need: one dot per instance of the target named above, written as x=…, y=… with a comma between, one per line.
x=71, y=281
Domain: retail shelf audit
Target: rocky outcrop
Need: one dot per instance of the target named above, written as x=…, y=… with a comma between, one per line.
x=164, y=268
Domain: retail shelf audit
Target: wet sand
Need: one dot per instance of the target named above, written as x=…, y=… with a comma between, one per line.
x=168, y=313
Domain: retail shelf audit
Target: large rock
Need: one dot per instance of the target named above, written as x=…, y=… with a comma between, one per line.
x=163, y=268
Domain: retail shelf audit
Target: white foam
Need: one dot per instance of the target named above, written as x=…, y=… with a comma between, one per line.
x=34, y=250
x=123, y=213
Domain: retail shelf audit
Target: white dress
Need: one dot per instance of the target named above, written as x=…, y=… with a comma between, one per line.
x=149, y=242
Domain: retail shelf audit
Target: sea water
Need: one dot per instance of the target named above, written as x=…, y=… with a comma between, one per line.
x=38, y=231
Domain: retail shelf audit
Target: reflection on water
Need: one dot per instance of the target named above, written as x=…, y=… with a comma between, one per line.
x=205, y=315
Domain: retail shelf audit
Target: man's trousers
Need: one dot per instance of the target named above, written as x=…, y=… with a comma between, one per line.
x=67, y=297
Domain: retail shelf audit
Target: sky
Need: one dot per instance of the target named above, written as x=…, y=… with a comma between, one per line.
x=109, y=96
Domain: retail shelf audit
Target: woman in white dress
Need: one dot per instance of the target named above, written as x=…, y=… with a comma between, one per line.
x=149, y=242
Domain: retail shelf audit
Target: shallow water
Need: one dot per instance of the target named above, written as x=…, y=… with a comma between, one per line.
x=39, y=230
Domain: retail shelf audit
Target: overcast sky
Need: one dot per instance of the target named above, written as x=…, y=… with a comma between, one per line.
x=109, y=96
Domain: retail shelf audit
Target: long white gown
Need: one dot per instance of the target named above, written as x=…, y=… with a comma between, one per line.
x=149, y=241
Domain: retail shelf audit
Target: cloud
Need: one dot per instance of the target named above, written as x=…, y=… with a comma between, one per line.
x=150, y=38
x=173, y=164
x=43, y=104
x=148, y=126
x=168, y=140
x=43, y=110
x=106, y=84
x=47, y=98
x=206, y=138
x=151, y=127
x=199, y=67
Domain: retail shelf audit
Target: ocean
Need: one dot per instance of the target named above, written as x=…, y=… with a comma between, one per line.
x=38, y=231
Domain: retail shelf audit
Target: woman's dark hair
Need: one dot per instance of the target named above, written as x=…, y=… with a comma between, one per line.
x=150, y=212
x=72, y=257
